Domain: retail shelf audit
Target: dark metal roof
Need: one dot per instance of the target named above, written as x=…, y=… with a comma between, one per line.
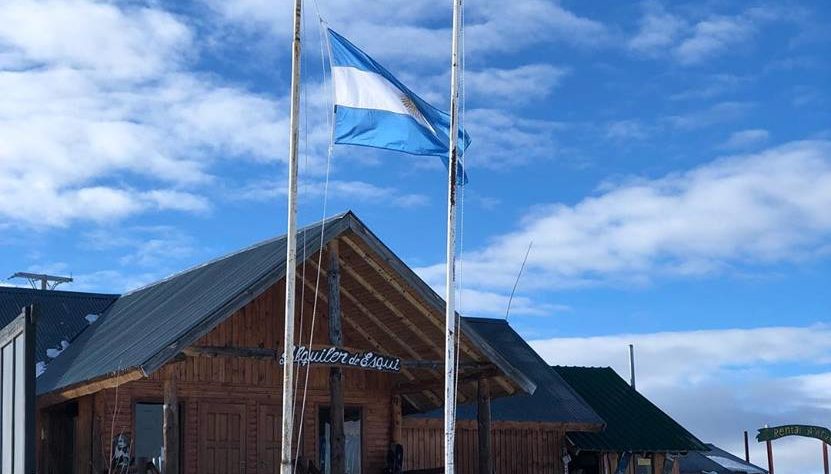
x=552, y=401
x=146, y=328
x=61, y=315
x=633, y=423
x=717, y=461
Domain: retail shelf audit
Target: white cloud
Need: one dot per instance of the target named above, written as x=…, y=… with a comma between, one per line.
x=520, y=85
x=745, y=210
x=405, y=31
x=128, y=43
x=100, y=92
x=715, y=114
x=503, y=139
x=626, y=130
x=718, y=383
x=745, y=139
x=337, y=189
x=712, y=36
x=693, y=41
x=658, y=29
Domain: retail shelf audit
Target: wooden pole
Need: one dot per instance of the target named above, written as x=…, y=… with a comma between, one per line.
x=83, y=435
x=397, y=420
x=746, y=448
x=338, y=461
x=171, y=427
x=770, y=457
x=450, y=283
x=825, y=457
x=291, y=253
x=483, y=426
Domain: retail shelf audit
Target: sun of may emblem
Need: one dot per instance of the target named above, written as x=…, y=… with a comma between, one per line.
x=414, y=111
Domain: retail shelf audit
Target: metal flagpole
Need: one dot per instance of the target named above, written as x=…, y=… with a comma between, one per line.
x=450, y=310
x=291, y=252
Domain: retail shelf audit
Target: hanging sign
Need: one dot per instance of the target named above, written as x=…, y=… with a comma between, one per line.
x=776, y=432
x=338, y=356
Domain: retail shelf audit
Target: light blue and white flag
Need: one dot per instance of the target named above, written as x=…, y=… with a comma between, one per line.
x=374, y=109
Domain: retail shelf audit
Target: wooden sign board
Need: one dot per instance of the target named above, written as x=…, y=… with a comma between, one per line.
x=807, y=431
x=332, y=355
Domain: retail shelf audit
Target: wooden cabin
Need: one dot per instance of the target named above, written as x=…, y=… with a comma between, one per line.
x=184, y=375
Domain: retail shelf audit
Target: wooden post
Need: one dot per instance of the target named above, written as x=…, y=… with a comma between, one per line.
x=483, y=418
x=83, y=436
x=171, y=426
x=746, y=448
x=397, y=420
x=338, y=460
x=770, y=457
x=825, y=457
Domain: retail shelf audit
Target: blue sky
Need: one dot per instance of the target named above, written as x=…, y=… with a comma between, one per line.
x=671, y=162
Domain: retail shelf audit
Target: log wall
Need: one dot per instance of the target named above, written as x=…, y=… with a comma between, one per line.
x=517, y=447
x=254, y=386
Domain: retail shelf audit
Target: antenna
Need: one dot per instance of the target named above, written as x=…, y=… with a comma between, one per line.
x=47, y=282
x=632, y=364
x=511, y=298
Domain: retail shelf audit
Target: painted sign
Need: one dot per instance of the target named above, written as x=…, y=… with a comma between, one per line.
x=807, y=431
x=338, y=356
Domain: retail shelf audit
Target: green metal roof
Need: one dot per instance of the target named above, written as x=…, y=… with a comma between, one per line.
x=633, y=423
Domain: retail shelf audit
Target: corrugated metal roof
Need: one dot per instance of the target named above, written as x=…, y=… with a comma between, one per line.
x=552, y=401
x=145, y=328
x=61, y=315
x=719, y=461
x=633, y=423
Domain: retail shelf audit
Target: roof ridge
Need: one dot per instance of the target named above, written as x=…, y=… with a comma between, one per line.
x=63, y=293
x=234, y=253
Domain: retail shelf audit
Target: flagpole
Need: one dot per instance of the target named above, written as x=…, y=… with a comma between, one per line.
x=450, y=290
x=291, y=253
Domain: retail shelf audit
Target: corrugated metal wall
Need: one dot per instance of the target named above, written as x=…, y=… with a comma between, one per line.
x=518, y=447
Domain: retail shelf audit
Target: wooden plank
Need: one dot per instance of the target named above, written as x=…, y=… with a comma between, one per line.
x=83, y=436
x=235, y=352
x=171, y=426
x=483, y=428
x=336, y=408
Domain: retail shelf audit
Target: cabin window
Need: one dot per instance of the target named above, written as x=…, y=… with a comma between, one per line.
x=352, y=442
x=149, y=444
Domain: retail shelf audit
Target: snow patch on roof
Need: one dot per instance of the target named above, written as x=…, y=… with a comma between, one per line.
x=91, y=318
x=53, y=352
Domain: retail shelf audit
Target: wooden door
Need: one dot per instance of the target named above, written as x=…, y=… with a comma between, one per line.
x=269, y=432
x=221, y=438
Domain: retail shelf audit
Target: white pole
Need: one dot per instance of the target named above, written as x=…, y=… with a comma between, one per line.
x=450, y=291
x=291, y=253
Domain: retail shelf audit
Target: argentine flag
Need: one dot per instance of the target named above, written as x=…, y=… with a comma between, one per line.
x=374, y=109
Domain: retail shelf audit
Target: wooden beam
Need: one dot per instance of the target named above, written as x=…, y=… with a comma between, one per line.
x=83, y=436
x=384, y=328
x=435, y=384
x=439, y=364
x=337, y=440
x=171, y=426
x=392, y=281
x=89, y=387
x=438, y=321
x=483, y=425
x=243, y=352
